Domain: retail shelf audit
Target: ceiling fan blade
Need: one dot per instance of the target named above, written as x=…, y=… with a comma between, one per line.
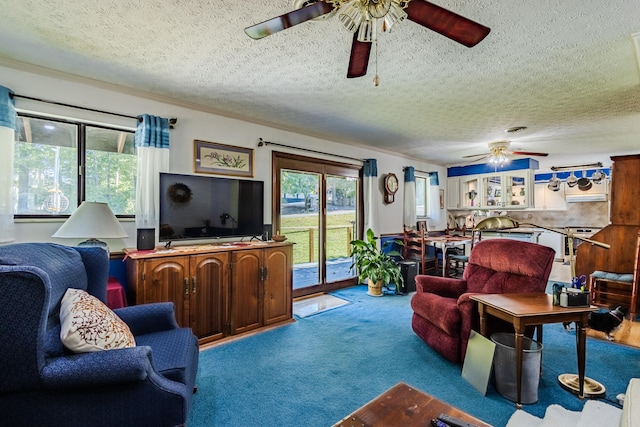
x=529, y=153
x=295, y=17
x=359, y=59
x=476, y=155
x=447, y=23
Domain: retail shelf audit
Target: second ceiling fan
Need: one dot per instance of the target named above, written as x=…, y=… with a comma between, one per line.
x=365, y=17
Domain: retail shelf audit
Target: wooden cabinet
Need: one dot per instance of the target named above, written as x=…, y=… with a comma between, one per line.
x=217, y=290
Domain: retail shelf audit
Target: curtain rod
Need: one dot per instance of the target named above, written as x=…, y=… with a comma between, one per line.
x=172, y=121
x=418, y=170
x=262, y=142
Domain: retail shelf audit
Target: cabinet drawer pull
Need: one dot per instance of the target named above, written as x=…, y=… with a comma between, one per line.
x=186, y=286
x=193, y=285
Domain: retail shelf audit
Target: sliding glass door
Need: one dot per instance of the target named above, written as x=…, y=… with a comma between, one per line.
x=316, y=206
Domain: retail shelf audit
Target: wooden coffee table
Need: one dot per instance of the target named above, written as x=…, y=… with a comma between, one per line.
x=529, y=309
x=403, y=405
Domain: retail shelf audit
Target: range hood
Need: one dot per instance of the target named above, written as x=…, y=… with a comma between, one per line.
x=597, y=193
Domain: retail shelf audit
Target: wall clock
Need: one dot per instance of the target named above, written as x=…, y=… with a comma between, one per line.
x=390, y=187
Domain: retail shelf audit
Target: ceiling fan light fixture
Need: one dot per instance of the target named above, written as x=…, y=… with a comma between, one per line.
x=396, y=14
x=368, y=30
x=351, y=16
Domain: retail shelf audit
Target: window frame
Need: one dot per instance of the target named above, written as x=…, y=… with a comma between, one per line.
x=427, y=200
x=81, y=159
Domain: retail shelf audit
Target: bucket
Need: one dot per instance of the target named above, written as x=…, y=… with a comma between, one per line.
x=504, y=367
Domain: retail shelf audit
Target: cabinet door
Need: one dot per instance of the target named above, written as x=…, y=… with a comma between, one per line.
x=471, y=191
x=453, y=193
x=246, y=296
x=208, y=295
x=493, y=195
x=277, y=284
x=518, y=187
x=167, y=279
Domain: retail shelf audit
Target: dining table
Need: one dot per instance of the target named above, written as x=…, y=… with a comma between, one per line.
x=445, y=242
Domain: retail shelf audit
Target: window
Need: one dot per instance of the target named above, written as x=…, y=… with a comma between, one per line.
x=60, y=163
x=422, y=196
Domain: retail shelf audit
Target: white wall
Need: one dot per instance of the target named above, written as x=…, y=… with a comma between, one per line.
x=193, y=123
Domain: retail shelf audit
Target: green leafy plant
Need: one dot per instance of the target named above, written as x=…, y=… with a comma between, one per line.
x=373, y=263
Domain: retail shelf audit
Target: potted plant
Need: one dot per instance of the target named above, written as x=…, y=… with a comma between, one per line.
x=378, y=268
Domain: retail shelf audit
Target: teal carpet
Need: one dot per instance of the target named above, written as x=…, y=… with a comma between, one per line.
x=321, y=368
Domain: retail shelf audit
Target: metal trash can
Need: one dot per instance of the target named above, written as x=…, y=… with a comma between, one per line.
x=504, y=367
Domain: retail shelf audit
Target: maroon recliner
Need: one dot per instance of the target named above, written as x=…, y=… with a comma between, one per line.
x=443, y=314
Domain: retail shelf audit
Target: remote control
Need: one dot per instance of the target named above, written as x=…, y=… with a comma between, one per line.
x=454, y=422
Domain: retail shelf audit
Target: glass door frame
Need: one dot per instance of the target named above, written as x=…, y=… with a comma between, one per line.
x=288, y=161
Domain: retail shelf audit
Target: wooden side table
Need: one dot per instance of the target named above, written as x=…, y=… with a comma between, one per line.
x=403, y=405
x=534, y=309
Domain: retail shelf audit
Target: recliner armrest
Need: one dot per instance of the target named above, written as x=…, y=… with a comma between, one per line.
x=98, y=368
x=147, y=318
x=443, y=286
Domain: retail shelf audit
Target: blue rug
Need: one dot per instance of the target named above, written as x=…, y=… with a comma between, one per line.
x=321, y=368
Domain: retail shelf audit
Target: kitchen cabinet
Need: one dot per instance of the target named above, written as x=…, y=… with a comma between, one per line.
x=507, y=190
x=503, y=190
x=552, y=240
x=217, y=290
x=545, y=199
x=453, y=193
x=470, y=189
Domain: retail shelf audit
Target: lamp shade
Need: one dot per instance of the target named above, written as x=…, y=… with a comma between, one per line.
x=92, y=220
x=497, y=223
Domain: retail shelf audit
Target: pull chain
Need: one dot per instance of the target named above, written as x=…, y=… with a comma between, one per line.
x=376, y=79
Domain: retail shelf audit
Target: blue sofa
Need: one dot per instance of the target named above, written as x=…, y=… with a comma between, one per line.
x=44, y=384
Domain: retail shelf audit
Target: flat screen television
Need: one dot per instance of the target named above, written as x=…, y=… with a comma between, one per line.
x=203, y=207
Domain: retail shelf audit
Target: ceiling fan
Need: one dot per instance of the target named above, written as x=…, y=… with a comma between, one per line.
x=499, y=153
x=364, y=17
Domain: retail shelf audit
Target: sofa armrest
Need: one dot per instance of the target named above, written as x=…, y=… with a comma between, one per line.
x=147, y=318
x=98, y=368
x=443, y=286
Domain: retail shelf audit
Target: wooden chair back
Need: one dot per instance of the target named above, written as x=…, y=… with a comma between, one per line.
x=415, y=249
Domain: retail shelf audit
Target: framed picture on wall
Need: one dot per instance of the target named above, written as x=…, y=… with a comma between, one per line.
x=441, y=198
x=211, y=157
x=421, y=225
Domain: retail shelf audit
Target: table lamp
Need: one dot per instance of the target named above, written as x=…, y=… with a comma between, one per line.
x=93, y=221
x=569, y=382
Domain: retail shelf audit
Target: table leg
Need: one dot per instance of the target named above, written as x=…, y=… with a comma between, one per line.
x=539, y=338
x=444, y=260
x=581, y=339
x=519, y=336
x=483, y=320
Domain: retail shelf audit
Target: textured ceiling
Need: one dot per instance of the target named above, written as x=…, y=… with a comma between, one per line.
x=567, y=70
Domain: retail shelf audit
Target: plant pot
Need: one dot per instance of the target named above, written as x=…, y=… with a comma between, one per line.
x=375, y=289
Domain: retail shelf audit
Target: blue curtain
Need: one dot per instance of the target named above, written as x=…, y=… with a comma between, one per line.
x=370, y=196
x=433, y=178
x=152, y=131
x=152, y=151
x=7, y=108
x=409, y=217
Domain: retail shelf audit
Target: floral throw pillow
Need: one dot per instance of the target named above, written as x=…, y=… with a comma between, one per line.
x=87, y=324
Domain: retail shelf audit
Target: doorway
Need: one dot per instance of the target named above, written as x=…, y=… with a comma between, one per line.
x=317, y=205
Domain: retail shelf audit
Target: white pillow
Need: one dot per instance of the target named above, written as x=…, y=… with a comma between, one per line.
x=87, y=324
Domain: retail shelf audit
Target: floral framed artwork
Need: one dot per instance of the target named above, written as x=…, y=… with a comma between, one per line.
x=211, y=157
x=441, y=198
